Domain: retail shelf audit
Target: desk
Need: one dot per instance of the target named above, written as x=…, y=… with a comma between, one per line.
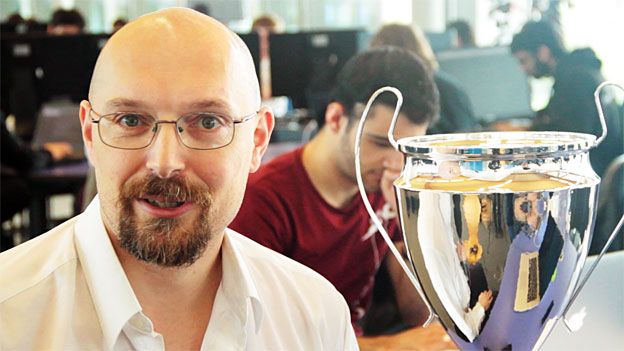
x=431, y=338
x=59, y=179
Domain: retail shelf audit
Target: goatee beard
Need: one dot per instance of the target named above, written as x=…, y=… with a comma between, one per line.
x=542, y=69
x=168, y=242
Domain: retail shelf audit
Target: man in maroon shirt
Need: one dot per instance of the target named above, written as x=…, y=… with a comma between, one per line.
x=305, y=203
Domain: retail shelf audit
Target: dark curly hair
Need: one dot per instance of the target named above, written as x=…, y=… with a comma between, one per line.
x=363, y=74
x=67, y=17
x=535, y=34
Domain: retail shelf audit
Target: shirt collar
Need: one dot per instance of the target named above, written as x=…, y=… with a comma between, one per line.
x=113, y=297
x=237, y=281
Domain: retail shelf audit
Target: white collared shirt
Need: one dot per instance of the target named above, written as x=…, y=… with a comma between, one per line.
x=67, y=290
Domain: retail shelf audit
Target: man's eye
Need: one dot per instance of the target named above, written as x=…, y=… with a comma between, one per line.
x=209, y=122
x=382, y=143
x=378, y=141
x=130, y=120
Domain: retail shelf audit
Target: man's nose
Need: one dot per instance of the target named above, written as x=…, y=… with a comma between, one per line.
x=165, y=156
x=394, y=158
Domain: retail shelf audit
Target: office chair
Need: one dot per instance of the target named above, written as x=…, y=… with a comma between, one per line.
x=610, y=207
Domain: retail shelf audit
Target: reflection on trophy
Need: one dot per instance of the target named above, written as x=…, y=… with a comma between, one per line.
x=472, y=211
x=497, y=227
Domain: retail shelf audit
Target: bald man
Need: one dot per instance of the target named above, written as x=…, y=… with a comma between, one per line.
x=173, y=126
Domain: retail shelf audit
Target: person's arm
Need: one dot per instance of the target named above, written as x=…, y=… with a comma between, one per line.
x=58, y=149
x=474, y=316
x=17, y=155
x=413, y=310
x=392, y=171
x=22, y=158
x=572, y=106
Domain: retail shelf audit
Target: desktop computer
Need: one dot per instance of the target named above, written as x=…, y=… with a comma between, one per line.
x=37, y=68
x=253, y=44
x=442, y=41
x=304, y=65
x=493, y=80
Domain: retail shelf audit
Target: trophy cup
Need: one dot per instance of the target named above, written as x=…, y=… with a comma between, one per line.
x=497, y=227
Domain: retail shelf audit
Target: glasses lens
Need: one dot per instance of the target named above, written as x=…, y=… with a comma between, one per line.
x=127, y=130
x=205, y=130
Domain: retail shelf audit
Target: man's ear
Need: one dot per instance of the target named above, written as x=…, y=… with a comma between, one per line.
x=87, y=129
x=544, y=54
x=262, y=136
x=335, y=117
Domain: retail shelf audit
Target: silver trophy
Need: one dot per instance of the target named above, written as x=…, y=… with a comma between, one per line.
x=497, y=227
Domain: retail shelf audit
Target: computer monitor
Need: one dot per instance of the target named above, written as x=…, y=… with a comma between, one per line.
x=441, y=41
x=60, y=65
x=37, y=68
x=290, y=66
x=493, y=80
x=253, y=44
x=304, y=65
x=65, y=65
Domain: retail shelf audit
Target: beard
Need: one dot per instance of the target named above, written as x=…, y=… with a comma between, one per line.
x=168, y=242
x=346, y=165
x=541, y=69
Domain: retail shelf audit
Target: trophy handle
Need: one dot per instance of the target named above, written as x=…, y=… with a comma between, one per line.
x=369, y=208
x=598, y=103
x=579, y=286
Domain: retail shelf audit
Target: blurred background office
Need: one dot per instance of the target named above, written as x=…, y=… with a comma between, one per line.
x=44, y=76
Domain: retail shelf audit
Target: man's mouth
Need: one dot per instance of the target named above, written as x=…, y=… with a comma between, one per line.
x=165, y=207
x=165, y=204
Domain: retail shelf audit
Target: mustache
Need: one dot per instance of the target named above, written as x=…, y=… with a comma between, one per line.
x=175, y=189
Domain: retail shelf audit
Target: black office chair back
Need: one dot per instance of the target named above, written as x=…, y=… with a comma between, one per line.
x=610, y=207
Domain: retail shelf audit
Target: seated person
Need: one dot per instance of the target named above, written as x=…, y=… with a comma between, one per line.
x=305, y=203
x=269, y=23
x=120, y=22
x=14, y=23
x=540, y=51
x=66, y=22
x=465, y=34
x=151, y=264
x=456, y=113
x=17, y=160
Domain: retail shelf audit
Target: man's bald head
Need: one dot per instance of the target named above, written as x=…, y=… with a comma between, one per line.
x=176, y=43
x=171, y=76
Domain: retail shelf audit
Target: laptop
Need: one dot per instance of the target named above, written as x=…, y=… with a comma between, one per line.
x=602, y=299
x=58, y=120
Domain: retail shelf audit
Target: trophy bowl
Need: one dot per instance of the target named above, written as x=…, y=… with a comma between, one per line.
x=497, y=226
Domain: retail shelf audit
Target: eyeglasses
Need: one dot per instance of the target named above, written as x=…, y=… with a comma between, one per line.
x=135, y=130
